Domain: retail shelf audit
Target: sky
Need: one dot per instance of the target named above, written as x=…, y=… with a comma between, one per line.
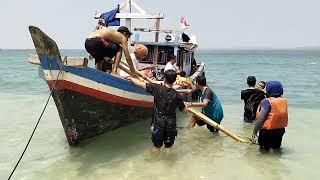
x=217, y=24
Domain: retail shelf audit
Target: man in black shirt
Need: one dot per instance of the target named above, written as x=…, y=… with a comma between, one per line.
x=166, y=101
x=251, y=97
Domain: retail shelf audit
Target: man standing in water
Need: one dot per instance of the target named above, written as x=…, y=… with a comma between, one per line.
x=210, y=102
x=106, y=43
x=251, y=98
x=272, y=117
x=166, y=101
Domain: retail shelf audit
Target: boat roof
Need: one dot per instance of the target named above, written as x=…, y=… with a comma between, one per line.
x=187, y=46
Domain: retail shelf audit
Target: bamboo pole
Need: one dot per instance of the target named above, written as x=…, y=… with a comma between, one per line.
x=214, y=124
x=139, y=73
x=129, y=72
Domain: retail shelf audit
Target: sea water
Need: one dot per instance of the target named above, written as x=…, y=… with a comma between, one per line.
x=125, y=153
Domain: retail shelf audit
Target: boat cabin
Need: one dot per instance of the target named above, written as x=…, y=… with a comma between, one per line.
x=158, y=53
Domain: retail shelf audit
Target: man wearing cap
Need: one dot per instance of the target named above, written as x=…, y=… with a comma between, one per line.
x=140, y=52
x=105, y=44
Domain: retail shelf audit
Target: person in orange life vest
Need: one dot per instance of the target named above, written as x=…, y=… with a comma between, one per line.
x=272, y=117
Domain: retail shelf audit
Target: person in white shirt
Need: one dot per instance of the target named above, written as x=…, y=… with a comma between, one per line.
x=171, y=64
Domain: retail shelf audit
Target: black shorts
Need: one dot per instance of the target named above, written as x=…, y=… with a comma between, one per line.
x=98, y=50
x=161, y=136
x=270, y=138
x=201, y=123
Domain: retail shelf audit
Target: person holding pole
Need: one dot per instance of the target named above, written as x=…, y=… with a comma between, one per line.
x=166, y=101
x=210, y=103
x=272, y=117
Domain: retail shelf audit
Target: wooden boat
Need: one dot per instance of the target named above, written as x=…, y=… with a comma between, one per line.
x=91, y=102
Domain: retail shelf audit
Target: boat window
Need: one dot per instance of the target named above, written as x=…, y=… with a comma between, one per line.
x=162, y=57
x=163, y=52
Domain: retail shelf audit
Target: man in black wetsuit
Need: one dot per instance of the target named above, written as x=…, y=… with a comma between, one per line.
x=251, y=98
x=166, y=101
x=106, y=43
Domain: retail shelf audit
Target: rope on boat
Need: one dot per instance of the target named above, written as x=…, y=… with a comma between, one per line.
x=34, y=129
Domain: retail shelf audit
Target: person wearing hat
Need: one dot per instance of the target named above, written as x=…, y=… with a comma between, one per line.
x=139, y=53
x=251, y=98
x=105, y=44
x=272, y=117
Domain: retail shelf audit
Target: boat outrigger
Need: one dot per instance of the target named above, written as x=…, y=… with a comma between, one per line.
x=91, y=102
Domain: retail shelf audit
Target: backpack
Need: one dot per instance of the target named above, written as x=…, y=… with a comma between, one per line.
x=254, y=101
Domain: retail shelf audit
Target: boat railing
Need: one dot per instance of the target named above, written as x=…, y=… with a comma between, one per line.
x=69, y=61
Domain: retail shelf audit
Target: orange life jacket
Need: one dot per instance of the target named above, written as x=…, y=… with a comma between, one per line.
x=278, y=115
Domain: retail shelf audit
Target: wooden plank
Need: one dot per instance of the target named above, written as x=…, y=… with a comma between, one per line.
x=214, y=124
x=138, y=73
x=70, y=61
x=158, y=30
x=138, y=16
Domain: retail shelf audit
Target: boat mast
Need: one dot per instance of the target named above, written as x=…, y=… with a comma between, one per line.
x=142, y=14
x=129, y=9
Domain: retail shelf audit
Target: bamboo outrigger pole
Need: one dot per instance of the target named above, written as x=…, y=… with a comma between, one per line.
x=129, y=72
x=214, y=124
x=137, y=72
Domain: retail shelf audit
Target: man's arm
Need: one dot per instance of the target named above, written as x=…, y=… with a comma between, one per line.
x=124, y=44
x=186, y=91
x=117, y=61
x=263, y=114
x=198, y=104
x=137, y=82
x=147, y=67
x=117, y=37
x=242, y=95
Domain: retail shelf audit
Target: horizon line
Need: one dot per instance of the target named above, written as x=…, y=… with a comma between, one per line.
x=211, y=49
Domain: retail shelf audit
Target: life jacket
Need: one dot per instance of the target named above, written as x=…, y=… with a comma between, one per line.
x=278, y=115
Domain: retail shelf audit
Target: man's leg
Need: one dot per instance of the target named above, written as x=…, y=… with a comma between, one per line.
x=212, y=129
x=192, y=122
x=170, y=136
x=99, y=64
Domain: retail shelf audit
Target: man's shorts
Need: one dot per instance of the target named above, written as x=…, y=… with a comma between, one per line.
x=201, y=123
x=161, y=136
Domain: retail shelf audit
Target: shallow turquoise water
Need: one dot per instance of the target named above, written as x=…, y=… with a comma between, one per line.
x=125, y=153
